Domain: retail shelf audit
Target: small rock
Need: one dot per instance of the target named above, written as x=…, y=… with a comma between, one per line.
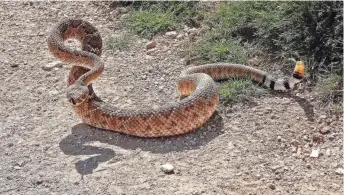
x=50, y=66
x=275, y=168
x=161, y=88
x=318, y=138
x=171, y=34
x=192, y=36
x=295, y=143
x=151, y=52
x=314, y=154
x=278, y=177
x=340, y=171
x=122, y=10
x=167, y=168
x=306, y=138
x=17, y=167
x=268, y=109
x=273, y=116
x=238, y=174
x=322, y=117
x=151, y=45
x=272, y=186
x=14, y=65
x=254, y=61
x=258, y=176
x=180, y=36
x=331, y=137
x=124, y=16
x=192, y=30
x=325, y=130
x=308, y=166
x=186, y=28
x=230, y=145
x=144, y=77
x=328, y=152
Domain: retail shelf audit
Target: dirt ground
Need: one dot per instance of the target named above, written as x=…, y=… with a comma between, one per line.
x=262, y=148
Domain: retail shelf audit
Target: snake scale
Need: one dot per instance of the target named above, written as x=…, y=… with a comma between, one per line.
x=196, y=84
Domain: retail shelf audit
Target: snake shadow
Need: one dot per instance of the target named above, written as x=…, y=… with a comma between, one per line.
x=307, y=107
x=82, y=134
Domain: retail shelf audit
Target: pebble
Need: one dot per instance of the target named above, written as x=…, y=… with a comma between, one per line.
x=306, y=138
x=122, y=10
x=151, y=45
x=272, y=186
x=331, y=137
x=192, y=30
x=50, y=66
x=143, y=77
x=171, y=34
x=124, y=16
x=17, y=167
x=314, y=154
x=309, y=166
x=268, y=109
x=180, y=36
x=295, y=143
x=14, y=65
x=322, y=117
x=325, y=130
x=340, y=171
x=238, y=174
x=258, y=176
x=318, y=138
x=161, y=88
x=167, y=168
x=254, y=61
x=278, y=177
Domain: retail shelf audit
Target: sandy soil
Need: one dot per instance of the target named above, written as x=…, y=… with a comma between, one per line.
x=263, y=148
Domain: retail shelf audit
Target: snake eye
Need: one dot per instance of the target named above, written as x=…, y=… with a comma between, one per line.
x=72, y=101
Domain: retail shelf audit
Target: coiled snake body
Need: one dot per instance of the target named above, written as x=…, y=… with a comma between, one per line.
x=190, y=113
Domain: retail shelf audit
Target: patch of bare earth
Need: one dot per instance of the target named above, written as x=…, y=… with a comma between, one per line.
x=245, y=149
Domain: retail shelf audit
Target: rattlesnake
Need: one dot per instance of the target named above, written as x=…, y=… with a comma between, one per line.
x=196, y=84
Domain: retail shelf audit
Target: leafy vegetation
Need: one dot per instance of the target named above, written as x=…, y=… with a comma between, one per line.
x=238, y=90
x=301, y=30
x=150, y=18
x=220, y=51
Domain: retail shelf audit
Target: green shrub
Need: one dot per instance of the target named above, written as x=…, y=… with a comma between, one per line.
x=150, y=18
x=148, y=23
x=302, y=30
x=238, y=90
x=219, y=51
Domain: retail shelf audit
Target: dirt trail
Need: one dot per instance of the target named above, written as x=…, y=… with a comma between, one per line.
x=242, y=150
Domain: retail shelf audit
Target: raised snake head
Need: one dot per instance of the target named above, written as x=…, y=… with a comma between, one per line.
x=77, y=93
